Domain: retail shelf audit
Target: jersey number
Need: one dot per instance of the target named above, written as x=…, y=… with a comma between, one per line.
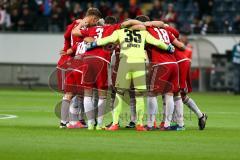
x=163, y=35
x=99, y=32
x=133, y=36
x=81, y=48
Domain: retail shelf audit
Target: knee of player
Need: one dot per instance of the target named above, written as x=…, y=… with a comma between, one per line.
x=68, y=96
x=88, y=92
x=102, y=94
x=184, y=97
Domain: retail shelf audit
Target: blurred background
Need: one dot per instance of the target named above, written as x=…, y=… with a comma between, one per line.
x=31, y=35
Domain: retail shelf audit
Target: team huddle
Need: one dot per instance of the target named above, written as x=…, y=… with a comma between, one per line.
x=138, y=57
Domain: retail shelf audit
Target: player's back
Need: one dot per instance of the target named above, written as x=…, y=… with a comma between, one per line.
x=95, y=32
x=158, y=55
x=98, y=32
x=109, y=29
x=69, y=41
x=132, y=43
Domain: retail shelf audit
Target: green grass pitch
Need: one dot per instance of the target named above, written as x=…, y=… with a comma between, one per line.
x=34, y=134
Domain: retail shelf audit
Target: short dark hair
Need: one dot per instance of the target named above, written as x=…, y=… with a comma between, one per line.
x=142, y=18
x=110, y=20
x=94, y=12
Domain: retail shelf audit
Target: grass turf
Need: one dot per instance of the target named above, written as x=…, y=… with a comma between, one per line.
x=35, y=134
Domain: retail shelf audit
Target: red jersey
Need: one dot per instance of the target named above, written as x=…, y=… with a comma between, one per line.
x=67, y=44
x=172, y=30
x=184, y=55
x=67, y=37
x=158, y=55
x=69, y=41
x=100, y=32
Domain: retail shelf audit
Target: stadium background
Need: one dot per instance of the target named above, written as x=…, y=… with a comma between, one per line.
x=32, y=35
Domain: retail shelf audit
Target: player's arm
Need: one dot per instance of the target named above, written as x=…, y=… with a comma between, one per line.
x=130, y=22
x=109, y=39
x=159, y=43
x=103, y=41
x=138, y=27
x=77, y=30
x=178, y=44
x=89, y=39
x=163, y=25
x=67, y=40
x=160, y=24
x=71, y=50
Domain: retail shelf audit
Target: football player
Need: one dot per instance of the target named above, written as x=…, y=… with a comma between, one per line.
x=184, y=63
x=68, y=77
x=131, y=67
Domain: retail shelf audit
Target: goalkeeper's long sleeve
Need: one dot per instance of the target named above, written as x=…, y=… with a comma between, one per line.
x=109, y=39
x=156, y=42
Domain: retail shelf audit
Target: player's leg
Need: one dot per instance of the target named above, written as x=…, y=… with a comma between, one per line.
x=132, y=122
x=76, y=102
x=185, y=85
x=65, y=109
x=81, y=110
x=113, y=92
x=171, y=77
x=133, y=108
x=152, y=107
x=101, y=109
x=88, y=82
x=161, y=84
x=169, y=110
x=163, y=111
x=118, y=108
x=80, y=97
x=140, y=110
x=75, y=110
x=190, y=103
x=122, y=83
x=95, y=100
x=89, y=108
x=68, y=88
x=178, y=114
x=113, y=96
x=102, y=88
x=139, y=82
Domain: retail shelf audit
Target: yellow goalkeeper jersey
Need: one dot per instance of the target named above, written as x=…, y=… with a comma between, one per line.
x=132, y=43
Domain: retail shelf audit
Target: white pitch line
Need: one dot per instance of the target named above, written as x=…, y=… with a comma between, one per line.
x=7, y=116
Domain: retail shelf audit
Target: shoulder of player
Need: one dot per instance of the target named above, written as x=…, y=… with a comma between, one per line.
x=93, y=28
x=150, y=28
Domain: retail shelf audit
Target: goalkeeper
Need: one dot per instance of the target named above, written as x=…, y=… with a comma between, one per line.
x=132, y=67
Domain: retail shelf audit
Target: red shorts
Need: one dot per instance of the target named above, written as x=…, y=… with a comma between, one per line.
x=60, y=79
x=164, y=78
x=69, y=77
x=61, y=71
x=72, y=82
x=95, y=73
x=185, y=76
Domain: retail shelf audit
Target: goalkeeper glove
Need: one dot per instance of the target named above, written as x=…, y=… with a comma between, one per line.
x=91, y=45
x=171, y=48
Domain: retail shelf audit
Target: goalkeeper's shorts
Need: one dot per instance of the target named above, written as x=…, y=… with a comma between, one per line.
x=134, y=73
